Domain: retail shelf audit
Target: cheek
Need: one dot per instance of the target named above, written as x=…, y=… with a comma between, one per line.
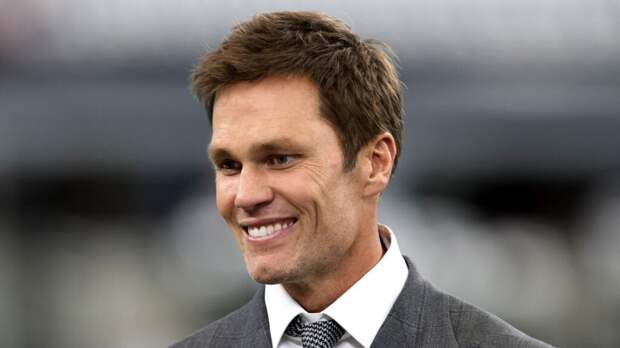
x=341, y=204
x=301, y=194
x=224, y=197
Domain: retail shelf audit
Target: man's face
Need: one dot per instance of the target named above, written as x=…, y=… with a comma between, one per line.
x=280, y=181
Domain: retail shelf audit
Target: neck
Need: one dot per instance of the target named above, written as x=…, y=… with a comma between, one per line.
x=316, y=294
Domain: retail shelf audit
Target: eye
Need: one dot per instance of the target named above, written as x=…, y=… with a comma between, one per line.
x=280, y=160
x=228, y=167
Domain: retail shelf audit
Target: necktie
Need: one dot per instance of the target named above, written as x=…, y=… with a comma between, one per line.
x=320, y=334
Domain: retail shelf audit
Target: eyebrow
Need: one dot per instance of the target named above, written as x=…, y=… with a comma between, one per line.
x=216, y=153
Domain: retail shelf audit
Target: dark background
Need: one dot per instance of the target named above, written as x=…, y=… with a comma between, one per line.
x=507, y=193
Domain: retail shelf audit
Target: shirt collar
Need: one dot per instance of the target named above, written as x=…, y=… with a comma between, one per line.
x=360, y=317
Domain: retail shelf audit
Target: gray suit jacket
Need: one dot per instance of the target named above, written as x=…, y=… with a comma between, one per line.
x=422, y=316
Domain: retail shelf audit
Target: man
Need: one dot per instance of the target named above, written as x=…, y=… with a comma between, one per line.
x=307, y=123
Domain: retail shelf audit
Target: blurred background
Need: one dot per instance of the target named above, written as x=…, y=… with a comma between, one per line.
x=507, y=194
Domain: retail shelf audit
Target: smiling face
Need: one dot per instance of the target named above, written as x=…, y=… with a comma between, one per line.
x=280, y=184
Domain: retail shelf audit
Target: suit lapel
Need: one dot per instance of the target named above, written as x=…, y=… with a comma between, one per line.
x=418, y=318
x=250, y=329
x=257, y=326
x=400, y=327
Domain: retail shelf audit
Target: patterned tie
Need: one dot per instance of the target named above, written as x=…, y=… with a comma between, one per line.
x=320, y=334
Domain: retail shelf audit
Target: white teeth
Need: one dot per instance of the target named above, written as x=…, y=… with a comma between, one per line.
x=263, y=231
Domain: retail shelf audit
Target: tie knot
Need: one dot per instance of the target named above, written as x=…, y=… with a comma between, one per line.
x=320, y=334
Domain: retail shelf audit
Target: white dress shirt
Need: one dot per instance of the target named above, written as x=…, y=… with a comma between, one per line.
x=361, y=310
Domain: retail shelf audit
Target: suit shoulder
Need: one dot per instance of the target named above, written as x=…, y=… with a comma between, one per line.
x=475, y=327
x=226, y=326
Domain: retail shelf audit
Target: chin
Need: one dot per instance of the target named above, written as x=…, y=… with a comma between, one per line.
x=266, y=277
x=267, y=274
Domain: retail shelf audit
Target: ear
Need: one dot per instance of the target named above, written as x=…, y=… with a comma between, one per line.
x=380, y=155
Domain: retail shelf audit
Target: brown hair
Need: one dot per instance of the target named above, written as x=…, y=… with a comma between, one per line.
x=359, y=89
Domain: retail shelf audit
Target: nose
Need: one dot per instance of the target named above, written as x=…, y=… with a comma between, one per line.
x=253, y=190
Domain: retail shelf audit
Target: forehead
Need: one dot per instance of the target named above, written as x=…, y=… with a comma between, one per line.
x=276, y=107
